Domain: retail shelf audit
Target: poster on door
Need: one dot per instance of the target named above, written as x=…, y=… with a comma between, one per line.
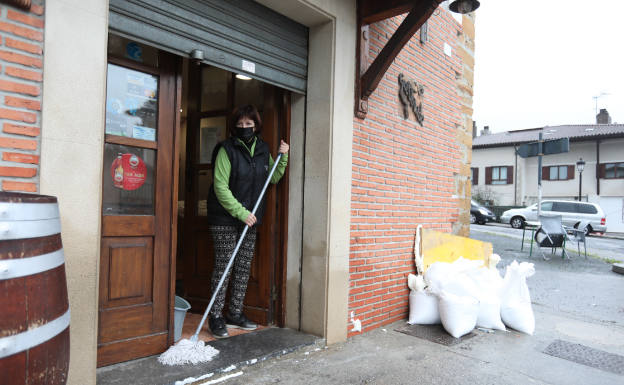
x=128, y=172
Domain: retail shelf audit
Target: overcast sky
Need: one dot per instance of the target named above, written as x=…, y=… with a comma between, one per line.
x=541, y=62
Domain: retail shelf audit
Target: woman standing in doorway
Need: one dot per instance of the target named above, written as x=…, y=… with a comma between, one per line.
x=241, y=167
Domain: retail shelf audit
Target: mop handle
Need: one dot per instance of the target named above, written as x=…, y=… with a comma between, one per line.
x=238, y=244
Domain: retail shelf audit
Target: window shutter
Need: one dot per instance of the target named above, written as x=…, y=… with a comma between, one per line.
x=509, y=174
x=602, y=170
x=570, y=172
x=545, y=173
x=488, y=175
x=476, y=175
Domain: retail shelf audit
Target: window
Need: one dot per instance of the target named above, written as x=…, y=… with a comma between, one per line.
x=547, y=206
x=499, y=175
x=584, y=208
x=612, y=170
x=564, y=207
x=474, y=175
x=558, y=172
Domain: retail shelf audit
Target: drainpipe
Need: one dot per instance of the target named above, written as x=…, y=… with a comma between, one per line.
x=516, y=177
x=598, y=167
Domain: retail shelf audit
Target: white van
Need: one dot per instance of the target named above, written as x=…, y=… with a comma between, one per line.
x=573, y=213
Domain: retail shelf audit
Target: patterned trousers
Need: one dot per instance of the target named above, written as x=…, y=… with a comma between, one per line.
x=225, y=238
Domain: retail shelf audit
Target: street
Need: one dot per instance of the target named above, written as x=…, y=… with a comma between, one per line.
x=608, y=249
x=577, y=301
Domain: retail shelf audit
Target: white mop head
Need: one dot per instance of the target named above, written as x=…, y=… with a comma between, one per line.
x=188, y=352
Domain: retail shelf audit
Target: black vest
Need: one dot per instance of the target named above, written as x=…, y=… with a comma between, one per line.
x=247, y=177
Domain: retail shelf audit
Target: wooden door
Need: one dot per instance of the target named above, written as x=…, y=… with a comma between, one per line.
x=213, y=93
x=136, y=210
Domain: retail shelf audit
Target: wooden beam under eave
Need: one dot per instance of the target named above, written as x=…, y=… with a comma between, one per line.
x=372, y=11
x=412, y=23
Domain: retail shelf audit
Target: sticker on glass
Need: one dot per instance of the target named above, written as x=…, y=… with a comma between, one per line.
x=128, y=172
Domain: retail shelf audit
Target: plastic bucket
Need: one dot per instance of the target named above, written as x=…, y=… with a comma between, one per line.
x=181, y=307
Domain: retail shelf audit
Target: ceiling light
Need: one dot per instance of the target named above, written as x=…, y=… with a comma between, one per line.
x=242, y=77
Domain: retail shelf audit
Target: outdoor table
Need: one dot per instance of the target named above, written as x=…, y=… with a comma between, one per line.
x=529, y=226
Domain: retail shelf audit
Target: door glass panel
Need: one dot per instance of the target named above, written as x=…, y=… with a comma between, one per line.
x=211, y=132
x=131, y=103
x=128, y=180
x=204, y=181
x=214, y=88
x=547, y=206
x=248, y=92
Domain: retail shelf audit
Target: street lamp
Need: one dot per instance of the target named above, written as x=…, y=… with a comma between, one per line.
x=464, y=6
x=580, y=165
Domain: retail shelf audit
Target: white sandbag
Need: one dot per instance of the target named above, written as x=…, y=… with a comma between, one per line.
x=423, y=308
x=493, y=261
x=458, y=313
x=490, y=312
x=416, y=282
x=439, y=273
x=516, y=309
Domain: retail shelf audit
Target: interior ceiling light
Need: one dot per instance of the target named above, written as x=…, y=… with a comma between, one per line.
x=464, y=6
x=242, y=77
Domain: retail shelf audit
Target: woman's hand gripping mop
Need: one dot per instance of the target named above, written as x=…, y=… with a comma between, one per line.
x=194, y=351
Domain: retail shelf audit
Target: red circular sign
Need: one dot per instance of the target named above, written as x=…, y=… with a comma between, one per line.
x=128, y=172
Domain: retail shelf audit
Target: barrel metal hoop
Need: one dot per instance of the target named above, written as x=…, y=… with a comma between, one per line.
x=21, y=267
x=28, y=211
x=29, y=229
x=30, y=338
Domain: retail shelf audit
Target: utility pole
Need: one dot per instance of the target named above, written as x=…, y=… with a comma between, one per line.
x=540, y=152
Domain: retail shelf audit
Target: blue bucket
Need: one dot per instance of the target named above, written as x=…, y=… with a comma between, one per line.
x=181, y=307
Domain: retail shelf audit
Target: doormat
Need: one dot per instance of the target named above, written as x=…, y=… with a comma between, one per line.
x=434, y=333
x=587, y=356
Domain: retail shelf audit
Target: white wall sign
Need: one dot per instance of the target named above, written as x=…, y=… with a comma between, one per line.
x=249, y=66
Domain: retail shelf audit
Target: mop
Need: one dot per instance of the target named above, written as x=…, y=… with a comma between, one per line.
x=194, y=351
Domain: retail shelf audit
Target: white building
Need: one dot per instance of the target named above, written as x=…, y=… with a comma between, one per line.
x=506, y=179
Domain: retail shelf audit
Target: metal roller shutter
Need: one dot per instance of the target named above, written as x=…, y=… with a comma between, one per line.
x=241, y=36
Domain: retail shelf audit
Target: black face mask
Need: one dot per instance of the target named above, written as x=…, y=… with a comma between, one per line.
x=246, y=134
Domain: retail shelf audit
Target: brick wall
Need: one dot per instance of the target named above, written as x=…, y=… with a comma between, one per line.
x=403, y=174
x=21, y=76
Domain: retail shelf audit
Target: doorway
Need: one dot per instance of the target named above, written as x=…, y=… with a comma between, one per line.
x=210, y=96
x=164, y=115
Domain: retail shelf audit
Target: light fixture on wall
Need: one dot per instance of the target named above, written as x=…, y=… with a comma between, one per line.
x=580, y=166
x=464, y=6
x=242, y=77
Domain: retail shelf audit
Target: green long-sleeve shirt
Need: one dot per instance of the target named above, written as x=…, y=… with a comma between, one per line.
x=222, y=169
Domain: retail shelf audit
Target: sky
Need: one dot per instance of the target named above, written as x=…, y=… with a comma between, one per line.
x=541, y=62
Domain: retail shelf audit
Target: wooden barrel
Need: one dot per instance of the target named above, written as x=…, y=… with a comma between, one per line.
x=34, y=309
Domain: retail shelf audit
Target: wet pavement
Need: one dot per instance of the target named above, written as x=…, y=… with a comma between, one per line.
x=579, y=311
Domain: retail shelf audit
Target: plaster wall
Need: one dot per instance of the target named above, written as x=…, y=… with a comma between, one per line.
x=611, y=151
x=498, y=156
x=72, y=132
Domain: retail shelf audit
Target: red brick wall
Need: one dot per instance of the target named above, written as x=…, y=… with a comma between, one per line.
x=21, y=76
x=403, y=174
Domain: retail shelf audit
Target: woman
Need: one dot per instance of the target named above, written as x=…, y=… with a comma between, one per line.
x=241, y=167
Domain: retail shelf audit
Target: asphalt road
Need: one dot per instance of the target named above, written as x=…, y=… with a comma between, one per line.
x=585, y=288
x=599, y=247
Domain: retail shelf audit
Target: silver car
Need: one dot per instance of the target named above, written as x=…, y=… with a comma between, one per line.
x=572, y=213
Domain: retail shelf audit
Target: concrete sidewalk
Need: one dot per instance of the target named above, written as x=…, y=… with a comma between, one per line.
x=385, y=356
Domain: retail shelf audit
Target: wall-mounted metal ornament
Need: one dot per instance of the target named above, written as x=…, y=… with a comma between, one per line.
x=411, y=95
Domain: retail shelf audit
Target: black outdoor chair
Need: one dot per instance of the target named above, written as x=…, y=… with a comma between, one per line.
x=551, y=234
x=578, y=236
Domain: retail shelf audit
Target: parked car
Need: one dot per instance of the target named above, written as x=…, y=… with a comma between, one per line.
x=480, y=214
x=572, y=213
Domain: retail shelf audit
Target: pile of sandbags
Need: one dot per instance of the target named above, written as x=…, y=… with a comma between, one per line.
x=463, y=295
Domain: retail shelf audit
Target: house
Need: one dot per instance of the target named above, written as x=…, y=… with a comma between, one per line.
x=505, y=179
x=374, y=98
